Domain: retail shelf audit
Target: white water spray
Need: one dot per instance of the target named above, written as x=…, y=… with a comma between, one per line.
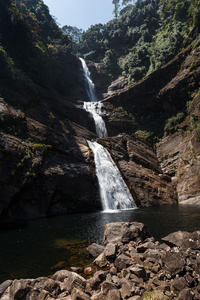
x=90, y=87
x=114, y=192
x=94, y=106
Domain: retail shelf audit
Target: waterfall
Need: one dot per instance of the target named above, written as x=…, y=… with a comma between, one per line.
x=114, y=192
x=90, y=87
x=94, y=106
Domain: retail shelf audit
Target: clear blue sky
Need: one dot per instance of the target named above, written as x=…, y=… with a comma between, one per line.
x=81, y=13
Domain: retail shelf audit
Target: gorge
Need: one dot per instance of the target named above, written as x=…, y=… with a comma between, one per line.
x=146, y=124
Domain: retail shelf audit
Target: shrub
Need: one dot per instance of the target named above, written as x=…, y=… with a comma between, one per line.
x=172, y=122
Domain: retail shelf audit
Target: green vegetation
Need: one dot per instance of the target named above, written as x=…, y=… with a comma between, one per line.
x=154, y=295
x=33, y=50
x=145, y=35
x=171, y=123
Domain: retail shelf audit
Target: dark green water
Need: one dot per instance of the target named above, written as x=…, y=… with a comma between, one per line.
x=46, y=245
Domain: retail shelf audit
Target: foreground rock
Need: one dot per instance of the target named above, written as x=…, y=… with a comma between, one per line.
x=135, y=264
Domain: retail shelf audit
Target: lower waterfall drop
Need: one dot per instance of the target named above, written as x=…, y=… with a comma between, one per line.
x=114, y=192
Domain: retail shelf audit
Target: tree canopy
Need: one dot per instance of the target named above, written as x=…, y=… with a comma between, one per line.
x=144, y=35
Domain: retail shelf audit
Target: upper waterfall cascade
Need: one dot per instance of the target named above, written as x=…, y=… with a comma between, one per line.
x=94, y=106
x=114, y=192
x=90, y=87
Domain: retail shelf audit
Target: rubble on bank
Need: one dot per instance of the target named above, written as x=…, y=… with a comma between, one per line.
x=132, y=263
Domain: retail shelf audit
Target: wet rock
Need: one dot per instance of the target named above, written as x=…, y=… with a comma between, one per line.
x=88, y=271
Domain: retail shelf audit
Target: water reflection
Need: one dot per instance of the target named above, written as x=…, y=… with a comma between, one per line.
x=33, y=251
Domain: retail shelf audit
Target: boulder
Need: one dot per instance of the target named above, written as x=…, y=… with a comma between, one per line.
x=124, y=232
x=186, y=294
x=101, y=261
x=176, y=239
x=110, y=250
x=97, y=279
x=95, y=250
x=183, y=239
x=4, y=286
x=121, y=262
x=174, y=262
x=79, y=295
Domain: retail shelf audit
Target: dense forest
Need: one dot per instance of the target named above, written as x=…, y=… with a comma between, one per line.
x=33, y=50
x=142, y=37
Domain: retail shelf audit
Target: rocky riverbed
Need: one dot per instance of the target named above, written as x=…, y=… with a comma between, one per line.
x=131, y=265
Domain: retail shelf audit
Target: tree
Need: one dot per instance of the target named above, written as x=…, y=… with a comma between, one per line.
x=75, y=32
x=116, y=8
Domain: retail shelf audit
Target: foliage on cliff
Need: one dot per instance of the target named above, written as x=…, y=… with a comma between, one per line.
x=33, y=49
x=144, y=37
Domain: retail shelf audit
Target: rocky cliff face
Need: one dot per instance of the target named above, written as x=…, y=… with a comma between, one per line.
x=44, y=160
x=47, y=168
x=151, y=101
x=140, y=168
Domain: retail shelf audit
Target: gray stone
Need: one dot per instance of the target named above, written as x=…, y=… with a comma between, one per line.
x=4, y=286
x=176, y=239
x=125, y=289
x=79, y=295
x=139, y=271
x=101, y=260
x=98, y=296
x=113, y=295
x=95, y=250
x=185, y=294
x=124, y=232
x=97, y=279
x=106, y=286
x=110, y=250
x=174, y=262
x=121, y=261
x=179, y=283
